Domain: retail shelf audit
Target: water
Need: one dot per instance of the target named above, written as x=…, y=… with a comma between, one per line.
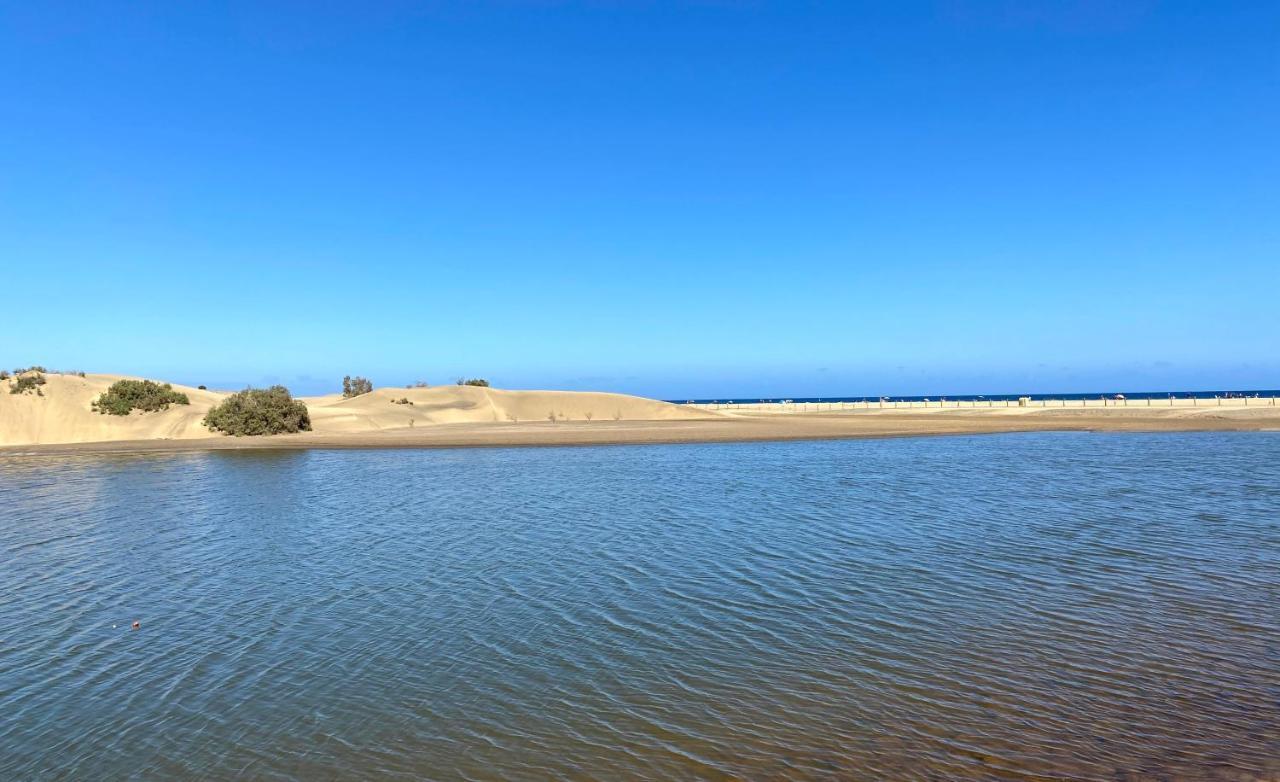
x=1133, y=396
x=1043, y=606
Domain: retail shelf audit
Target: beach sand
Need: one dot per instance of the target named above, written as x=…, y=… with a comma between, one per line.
x=62, y=413
x=458, y=416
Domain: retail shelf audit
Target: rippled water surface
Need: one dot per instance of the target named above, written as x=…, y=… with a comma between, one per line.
x=1053, y=606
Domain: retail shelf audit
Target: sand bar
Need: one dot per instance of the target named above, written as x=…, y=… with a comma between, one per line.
x=61, y=421
x=735, y=429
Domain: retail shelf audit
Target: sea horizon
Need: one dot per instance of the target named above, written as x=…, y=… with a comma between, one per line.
x=1263, y=393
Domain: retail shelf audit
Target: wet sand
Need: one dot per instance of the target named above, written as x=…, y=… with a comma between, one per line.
x=736, y=428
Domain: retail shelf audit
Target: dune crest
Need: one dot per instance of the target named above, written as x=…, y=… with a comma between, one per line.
x=382, y=408
x=64, y=413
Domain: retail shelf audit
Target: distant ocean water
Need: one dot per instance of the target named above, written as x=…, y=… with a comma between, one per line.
x=1140, y=395
x=1018, y=607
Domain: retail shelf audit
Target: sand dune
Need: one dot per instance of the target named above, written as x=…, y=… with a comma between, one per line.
x=64, y=415
x=452, y=416
x=469, y=404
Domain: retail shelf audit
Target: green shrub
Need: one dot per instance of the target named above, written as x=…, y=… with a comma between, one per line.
x=404, y=400
x=4, y=374
x=355, y=386
x=259, y=411
x=474, y=381
x=125, y=396
x=27, y=380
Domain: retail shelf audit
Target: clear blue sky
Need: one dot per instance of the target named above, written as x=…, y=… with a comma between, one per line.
x=704, y=199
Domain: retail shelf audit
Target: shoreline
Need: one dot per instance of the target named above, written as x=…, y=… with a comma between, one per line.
x=724, y=429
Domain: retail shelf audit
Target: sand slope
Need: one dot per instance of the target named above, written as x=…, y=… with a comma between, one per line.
x=64, y=415
x=469, y=404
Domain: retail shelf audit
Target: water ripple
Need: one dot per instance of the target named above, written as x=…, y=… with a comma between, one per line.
x=1022, y=607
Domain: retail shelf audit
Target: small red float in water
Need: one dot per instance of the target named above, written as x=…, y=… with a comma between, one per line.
x=136, y=624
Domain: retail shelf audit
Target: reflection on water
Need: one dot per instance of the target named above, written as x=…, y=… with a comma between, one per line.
x=1012, y=607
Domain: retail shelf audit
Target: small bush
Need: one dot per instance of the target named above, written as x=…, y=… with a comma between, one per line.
x=32, y=368
x=419, y=384
x=4, y=374
x=355, y=386
x=203, y=388
x=30, y=381
x=404, y=400
x=259, y=411
x=125, y=396
x=474, y=381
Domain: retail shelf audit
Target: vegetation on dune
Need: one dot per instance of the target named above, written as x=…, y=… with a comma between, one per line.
x=25, y=380
x=355, y=386
x=256, y=411
x=125, y=396
x=39, y=370
x=474, y=381
x=42, y=370
x=418, y=384
x=404, y=400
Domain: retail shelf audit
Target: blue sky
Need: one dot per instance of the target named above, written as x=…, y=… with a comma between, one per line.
x=704, y=199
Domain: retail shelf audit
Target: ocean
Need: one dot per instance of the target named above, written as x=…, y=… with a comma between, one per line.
x=1131, y=395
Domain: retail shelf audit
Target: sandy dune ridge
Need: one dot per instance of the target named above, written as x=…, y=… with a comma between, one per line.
x=458, y=416
x=64, y=413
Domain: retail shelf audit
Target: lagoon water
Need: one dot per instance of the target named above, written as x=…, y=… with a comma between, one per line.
x=1032, y=606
